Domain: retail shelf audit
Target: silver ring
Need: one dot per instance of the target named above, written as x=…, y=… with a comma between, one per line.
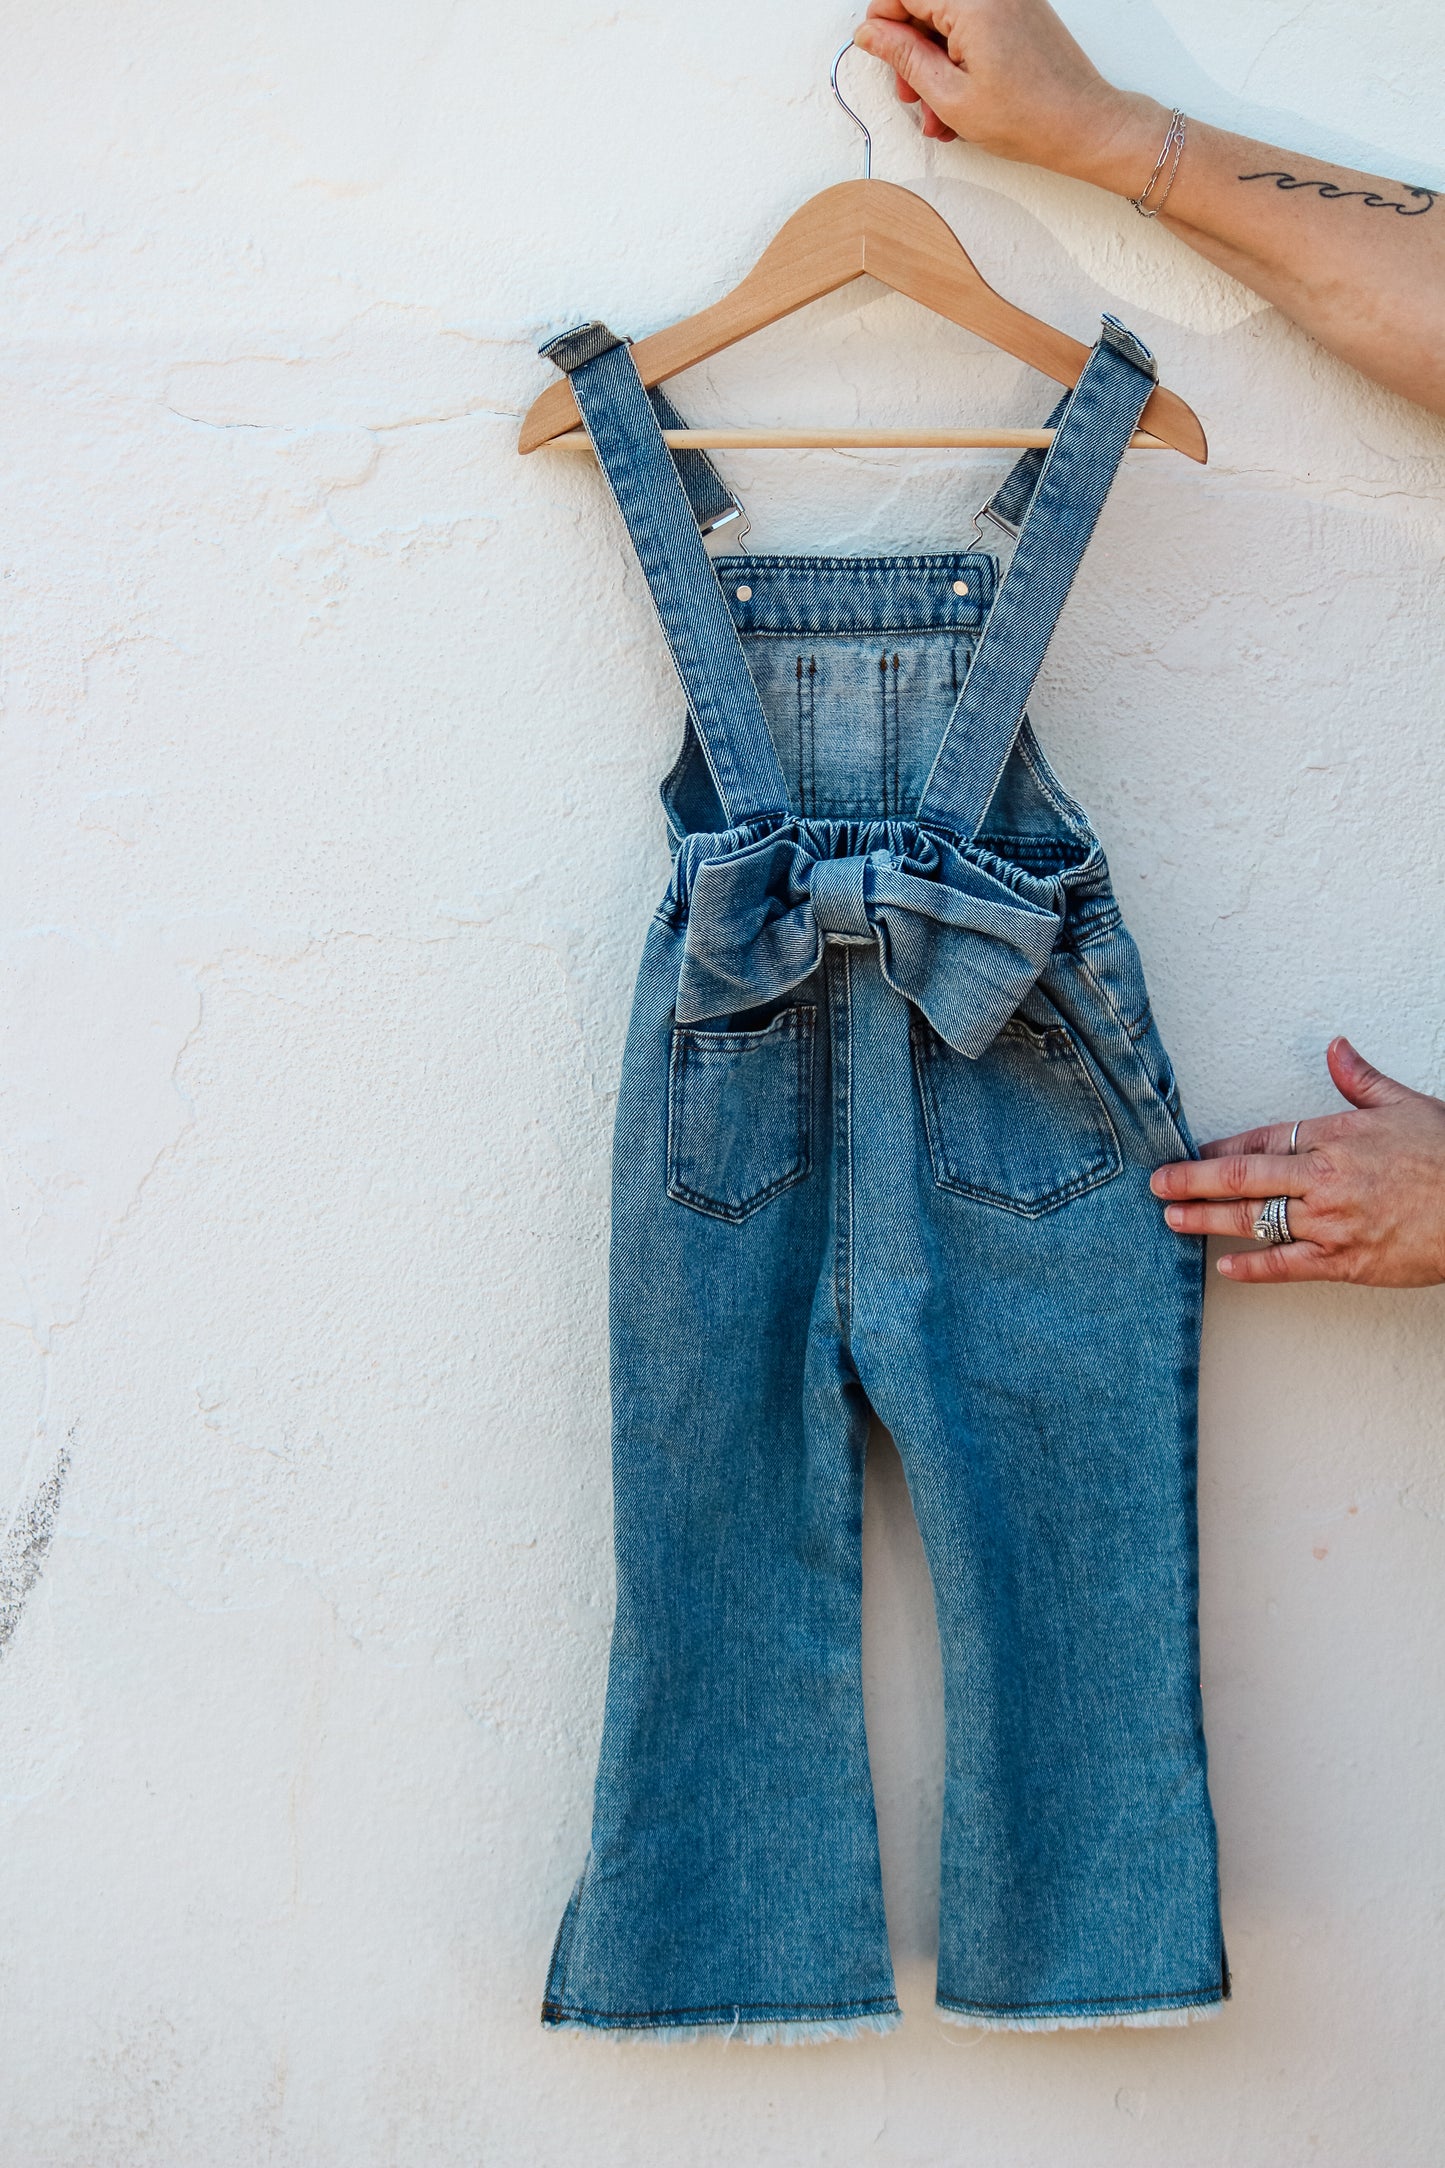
x=1294, y=1138
x=1271, y=1227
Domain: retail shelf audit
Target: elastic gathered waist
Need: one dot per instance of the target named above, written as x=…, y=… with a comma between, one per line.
x=918, y=845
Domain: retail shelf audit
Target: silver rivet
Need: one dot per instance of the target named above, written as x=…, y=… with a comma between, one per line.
x=745, y=594
x=960, y=587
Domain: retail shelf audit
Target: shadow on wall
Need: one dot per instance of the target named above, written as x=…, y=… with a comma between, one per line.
x=903, y=1694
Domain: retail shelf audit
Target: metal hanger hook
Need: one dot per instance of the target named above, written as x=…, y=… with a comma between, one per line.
x=856, y=118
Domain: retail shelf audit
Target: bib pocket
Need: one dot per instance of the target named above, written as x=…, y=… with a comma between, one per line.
x=1024, y=1127
x=739, y=1113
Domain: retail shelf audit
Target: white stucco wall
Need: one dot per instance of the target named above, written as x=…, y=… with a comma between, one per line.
x=331, y=738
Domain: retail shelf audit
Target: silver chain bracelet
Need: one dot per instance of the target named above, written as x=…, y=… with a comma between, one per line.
x=1170, y=155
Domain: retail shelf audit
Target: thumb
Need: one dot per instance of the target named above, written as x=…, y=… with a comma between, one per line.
x=922, y=65
x=1361, y=1084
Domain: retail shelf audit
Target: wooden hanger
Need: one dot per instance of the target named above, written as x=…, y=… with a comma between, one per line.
x=878, y=230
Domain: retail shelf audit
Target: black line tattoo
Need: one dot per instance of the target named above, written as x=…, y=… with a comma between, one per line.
x=1329, y=193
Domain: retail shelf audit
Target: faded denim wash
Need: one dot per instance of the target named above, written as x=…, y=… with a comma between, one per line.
x=891, y=1098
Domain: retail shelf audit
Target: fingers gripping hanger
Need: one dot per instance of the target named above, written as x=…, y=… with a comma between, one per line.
x=880, y=230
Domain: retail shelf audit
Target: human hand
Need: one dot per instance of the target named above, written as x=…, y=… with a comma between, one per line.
x=1367, y=1189
x=1006, y=75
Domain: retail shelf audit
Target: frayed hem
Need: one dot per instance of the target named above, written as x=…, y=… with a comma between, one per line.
x=1187, y=2013
x=770, y=2033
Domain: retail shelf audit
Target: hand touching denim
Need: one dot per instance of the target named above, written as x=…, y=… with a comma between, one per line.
x=1366, y=1189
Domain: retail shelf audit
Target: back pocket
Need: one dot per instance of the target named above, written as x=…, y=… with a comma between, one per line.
x=1024, y=1127
x=739, y=1114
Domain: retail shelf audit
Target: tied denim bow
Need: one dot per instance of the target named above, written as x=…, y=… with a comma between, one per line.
x=958, y=944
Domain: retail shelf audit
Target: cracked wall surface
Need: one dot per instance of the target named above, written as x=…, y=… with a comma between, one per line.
x=332, y=732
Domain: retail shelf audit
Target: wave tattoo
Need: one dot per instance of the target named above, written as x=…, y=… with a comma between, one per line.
x=1329, y=193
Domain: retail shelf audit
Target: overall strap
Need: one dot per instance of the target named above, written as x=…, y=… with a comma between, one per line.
x=1058, y=502
x=713, y=503
x=1015, y=493
x=696, y=622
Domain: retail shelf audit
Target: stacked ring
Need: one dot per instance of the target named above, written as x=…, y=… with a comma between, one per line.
x=1272, y=1224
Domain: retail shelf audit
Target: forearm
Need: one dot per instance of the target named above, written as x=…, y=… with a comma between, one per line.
x=1358, y=260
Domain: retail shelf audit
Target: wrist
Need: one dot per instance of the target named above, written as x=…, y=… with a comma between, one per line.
x=1119, y=149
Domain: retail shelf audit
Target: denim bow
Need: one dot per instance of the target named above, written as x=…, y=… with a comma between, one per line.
x=963, y=947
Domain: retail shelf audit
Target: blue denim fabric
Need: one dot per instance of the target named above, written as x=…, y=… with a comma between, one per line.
x=891, y=1097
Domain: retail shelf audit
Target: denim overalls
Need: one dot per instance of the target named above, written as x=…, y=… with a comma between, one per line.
x=890, y=1102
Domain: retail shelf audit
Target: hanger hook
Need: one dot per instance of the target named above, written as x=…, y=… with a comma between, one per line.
x=856, y=118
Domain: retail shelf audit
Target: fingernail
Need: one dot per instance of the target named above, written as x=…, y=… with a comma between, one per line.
x=1226, y=1266
x=1174, y=1215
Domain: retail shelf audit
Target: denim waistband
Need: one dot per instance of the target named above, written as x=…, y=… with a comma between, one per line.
x=863, y=595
